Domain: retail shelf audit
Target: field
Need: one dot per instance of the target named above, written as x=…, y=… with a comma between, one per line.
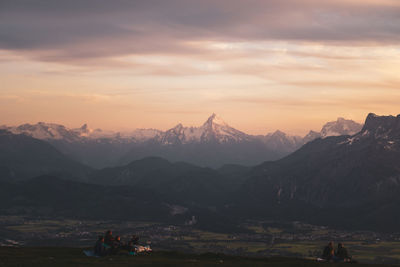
x=261, y=240
x=59, y=256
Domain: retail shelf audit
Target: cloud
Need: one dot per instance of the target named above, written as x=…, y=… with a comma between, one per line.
x=70, y=31
x=348, y=84
x=319, y=102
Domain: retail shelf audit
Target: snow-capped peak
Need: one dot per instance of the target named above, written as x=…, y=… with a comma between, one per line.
x=213, y=130
x=215, y=119
x=178, y=127
x=45, y=131
x=53, y=131
x=83, y=131
x=142, y=135
x=340, y=127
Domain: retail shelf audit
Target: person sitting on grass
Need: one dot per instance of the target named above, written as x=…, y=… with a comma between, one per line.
x=329, y=252
x=134, y=240
x=109, y=239
x=342, y=254
x=117, y=242
x=117, y=245
x=99, y=248
x=132, y=243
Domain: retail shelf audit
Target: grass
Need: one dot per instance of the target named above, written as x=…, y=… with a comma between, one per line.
x=299, y=248
x=56, y=256
x=205, y=235
x=32, y=228
x=42, y=232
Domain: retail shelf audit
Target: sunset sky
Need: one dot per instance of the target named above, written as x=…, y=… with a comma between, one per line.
x=261, y=65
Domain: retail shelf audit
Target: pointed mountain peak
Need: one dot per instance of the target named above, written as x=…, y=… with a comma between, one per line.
x=84, y=127
x=214, y=119
x=178, y=127
x=278, y=133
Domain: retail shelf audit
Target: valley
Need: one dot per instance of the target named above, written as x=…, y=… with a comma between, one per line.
x=259, y=239
x=342, y=188
x=219, y=133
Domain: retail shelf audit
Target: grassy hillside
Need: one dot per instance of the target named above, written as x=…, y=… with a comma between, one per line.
x=54, y=256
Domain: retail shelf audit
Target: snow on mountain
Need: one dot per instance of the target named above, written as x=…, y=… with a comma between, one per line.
x=334, y=128
x=381, y=127
x=350, y=171
x=53, y=131
x=280, y=141
x=288, y=143
x=142, y=135
x=340, y=127
x=383, y=130
x=45, y=131
x=213, y=130
x=83, y=131
x=216, y=129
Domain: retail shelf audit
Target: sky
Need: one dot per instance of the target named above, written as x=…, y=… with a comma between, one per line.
x=261, y=65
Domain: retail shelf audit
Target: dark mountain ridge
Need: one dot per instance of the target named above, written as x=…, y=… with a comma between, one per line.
x=346, y=174
x=183, y=182
x=23, y=157
x=50, y=196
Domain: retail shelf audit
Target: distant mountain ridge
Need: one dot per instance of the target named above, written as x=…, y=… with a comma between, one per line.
x=214, y=128
x=340, y=127
x=99, y=148
x=23, y=157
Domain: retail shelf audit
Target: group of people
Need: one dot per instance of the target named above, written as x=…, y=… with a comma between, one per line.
x=339, y=255
x=109, y=245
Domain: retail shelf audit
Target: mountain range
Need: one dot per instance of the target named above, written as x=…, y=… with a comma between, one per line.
x=212, y=144
x=349, y=181
x=356, y=176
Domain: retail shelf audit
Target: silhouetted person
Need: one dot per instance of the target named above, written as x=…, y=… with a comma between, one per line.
x=329, y=252
x=109, y=239
x=117, y=245
x=342, y=253
x=99, y=248
x=117, y=241
x=133, y=242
